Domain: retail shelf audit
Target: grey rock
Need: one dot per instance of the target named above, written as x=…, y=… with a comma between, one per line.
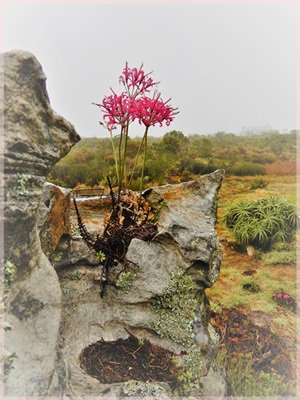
x=186, y=242
x=72, y=252
x=35, y=139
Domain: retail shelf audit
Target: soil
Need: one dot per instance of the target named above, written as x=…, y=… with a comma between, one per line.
x=129, y=359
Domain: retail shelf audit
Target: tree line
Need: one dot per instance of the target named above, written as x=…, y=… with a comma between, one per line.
x=176, y=157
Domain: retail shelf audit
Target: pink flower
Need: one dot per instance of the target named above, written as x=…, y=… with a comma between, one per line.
x=117, y=109
x=136, y=80
x=152, y=111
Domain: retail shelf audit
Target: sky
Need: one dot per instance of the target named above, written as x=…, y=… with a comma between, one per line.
x=225, y=66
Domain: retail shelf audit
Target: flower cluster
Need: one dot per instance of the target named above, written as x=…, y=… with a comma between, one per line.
x=116, y=109
x=152, y=111
x=281, y=295
x=133, y=103
x=136, y=80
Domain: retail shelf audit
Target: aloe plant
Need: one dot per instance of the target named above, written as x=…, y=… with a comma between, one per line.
x=263, y=222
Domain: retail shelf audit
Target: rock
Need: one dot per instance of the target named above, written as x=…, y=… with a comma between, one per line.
x=159, y=293
x=54, y=216
x=251, y=251
x=35, y=139
x=159, y=296
x=72, y=252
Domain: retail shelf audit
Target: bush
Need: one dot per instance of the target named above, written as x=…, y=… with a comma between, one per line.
x=258, y=183
x=262, y=222
x=247, y=169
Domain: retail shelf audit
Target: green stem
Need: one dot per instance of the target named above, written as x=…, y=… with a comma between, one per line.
x=120, y=164
x=136, y=159
x=124, y=171
x=144, y=161
x=115, y=157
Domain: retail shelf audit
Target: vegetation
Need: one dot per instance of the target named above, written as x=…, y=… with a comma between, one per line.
x=191, y=367
x=176, y=157
x=175, y=309
x=258, y=183
x=126, y=280
x=262, y=222
x=280, y=257
x=245, y=381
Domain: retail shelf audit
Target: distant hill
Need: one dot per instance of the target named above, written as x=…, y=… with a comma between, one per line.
x=176, y=157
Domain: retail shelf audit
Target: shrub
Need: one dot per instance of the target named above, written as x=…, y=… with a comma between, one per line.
x=258, y=183
x=261, y=222
x=247, y=168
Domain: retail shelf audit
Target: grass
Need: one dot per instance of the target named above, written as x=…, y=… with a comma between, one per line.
x=228, y=290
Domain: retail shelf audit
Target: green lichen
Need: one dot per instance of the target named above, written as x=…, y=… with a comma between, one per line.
x=191, y=368
x=10, y=272
x=175, y=309
x=125, y=280
x=137, y=388
x=8, y=364
x=22, y=180
x=75, y=233
x=57, y=256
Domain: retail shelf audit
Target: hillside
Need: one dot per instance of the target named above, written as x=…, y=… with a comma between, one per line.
x=177, y=158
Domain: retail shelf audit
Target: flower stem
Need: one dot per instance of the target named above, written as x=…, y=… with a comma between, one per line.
x=115, y=156
x=136, y=159
x=120, y=163
x=144, y=161
x=124, y=169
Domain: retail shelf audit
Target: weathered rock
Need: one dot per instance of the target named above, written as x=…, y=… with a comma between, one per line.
x=35, y=139
x=54, y=216
x=159, y=296
x=72, y=251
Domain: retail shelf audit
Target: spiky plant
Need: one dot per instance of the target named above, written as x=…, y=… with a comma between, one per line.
x=262, y=222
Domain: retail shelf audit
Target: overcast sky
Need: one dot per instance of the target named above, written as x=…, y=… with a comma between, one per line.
x=225, y=66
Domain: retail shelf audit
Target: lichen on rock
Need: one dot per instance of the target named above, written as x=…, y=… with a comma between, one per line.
x=176, y=309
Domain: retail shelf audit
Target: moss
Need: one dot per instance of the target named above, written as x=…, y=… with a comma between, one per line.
x=175, y=309
x=125, y=280
x=191, y=368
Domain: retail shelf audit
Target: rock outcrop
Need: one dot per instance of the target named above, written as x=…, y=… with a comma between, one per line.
x=159, y=293
x=35, y=139
x=52, y=315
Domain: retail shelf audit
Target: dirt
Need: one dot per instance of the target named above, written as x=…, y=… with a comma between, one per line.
x=129, y=359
